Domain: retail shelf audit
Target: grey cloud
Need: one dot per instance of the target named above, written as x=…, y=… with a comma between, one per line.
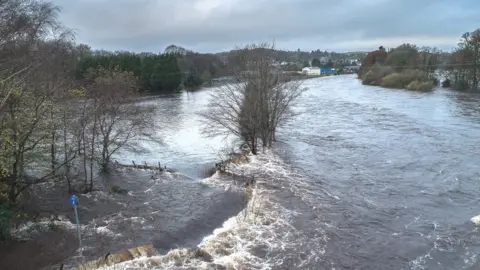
x=212, y=25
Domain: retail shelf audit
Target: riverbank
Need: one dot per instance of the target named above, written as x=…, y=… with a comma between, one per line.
x=243, y=241
x=339, y=176
x=308, y=77
x=112, y=221
x=155, y=209
x=387, y=77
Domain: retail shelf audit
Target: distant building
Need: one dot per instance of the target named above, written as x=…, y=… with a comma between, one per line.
x=351, y=69
x=318, y=71
x=327, y=70
x=311, y=71
x=223, y=80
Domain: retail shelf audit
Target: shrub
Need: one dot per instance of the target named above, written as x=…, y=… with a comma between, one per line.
x=421, y=86
x=119, y=190
x=446, y=83
x=403, y=79
x=415, y=74
x=375, y=74
x=395, y=80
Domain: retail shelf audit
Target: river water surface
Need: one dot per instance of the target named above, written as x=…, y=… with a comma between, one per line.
x=364, y=178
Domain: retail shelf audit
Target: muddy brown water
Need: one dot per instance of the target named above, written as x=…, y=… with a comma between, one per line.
x=365, y=178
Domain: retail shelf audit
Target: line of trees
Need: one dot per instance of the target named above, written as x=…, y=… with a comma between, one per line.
x=156, y=73
x=50, y=121
x=199, y=68
x=179, y=68
x=260, y=101
x=65, y=110
x=316, y=63
x=408, y=66
x=463, y=66
x=176, y=68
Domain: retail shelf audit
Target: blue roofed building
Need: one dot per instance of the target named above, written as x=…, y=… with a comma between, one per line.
x=328, y=70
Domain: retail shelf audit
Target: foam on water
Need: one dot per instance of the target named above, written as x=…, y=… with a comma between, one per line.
x=26, y=230
x=249, y=240
x=476, y=220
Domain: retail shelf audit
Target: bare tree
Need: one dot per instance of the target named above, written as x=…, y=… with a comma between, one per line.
x=255, y=105
x=428, y=60
x=32, y=50
x=463, y=66
x=118, y=117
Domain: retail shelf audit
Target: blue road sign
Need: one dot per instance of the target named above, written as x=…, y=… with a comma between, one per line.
x=74, y=200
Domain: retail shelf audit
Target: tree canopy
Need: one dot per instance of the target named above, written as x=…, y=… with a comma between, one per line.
x=156, y=73
x=412, y=67
x=316, y=62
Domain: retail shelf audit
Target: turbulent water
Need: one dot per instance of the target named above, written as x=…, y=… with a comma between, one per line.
x=364, y=178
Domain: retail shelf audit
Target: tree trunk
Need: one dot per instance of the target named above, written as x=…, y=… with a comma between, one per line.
x=94, y=134
x=69, y=184
x=52, y=150
x=13, y=190
x=65, y=147
x=105, y=158
x=254, y=149
x=79, y=147
x=475, y=78
x=85, y=171
x=12, y=194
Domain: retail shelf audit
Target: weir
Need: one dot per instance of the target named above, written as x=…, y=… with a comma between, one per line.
x=122, y=256
x=145, y=166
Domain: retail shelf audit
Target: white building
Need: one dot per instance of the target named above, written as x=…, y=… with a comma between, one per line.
x=311, y=71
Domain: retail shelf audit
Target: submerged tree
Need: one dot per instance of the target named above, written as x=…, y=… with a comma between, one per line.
x=34, y=51
x=255, y=105
x=117, y=117
x=464, y=63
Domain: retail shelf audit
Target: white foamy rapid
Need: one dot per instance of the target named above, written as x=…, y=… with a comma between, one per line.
x=27, y=230
x=476, y=220
x=251, y=240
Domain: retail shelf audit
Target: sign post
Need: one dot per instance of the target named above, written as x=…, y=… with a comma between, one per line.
x=74, y=202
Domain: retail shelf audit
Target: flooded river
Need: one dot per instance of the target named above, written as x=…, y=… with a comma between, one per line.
x=364, y=178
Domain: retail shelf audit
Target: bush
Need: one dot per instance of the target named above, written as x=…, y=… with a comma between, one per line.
x=395, y=80
x=415, y=74
x=421, y=86
x=375, y=74
x=119, y=190
x=446, y=83
x=403, y=79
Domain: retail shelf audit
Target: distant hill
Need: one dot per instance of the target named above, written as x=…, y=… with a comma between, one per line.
x=221, y=63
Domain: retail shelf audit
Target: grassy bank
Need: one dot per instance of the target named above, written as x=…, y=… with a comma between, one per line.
x=411, y=79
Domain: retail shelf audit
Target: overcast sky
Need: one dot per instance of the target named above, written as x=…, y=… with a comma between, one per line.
x=218, y=25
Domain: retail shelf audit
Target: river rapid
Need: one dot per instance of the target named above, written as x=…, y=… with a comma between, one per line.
x=364, y=178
